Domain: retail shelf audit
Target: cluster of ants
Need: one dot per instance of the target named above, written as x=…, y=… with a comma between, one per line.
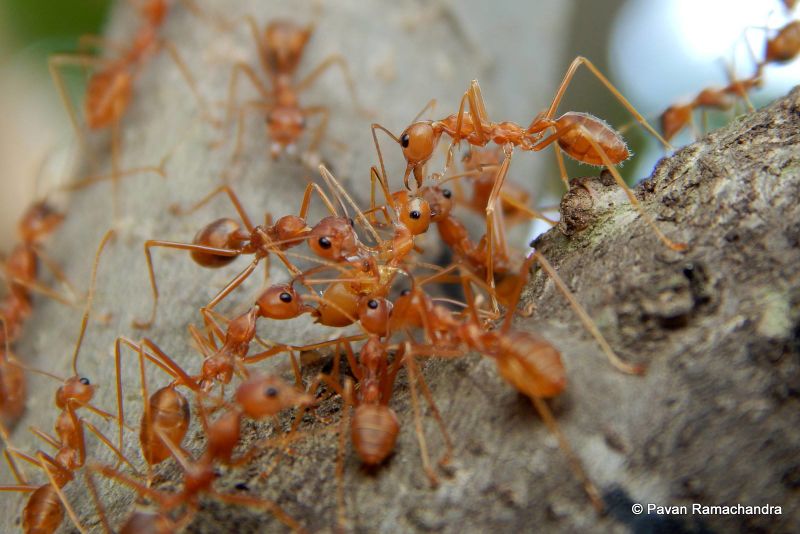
x=356, y=269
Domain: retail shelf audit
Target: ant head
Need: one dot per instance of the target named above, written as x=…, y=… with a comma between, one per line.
x=418, y=142
x=266, y=395
x=76, y=390
x=221, y=233
x=289, y=227
x=373, y=312
x=333, y=238
x=414, y=212
x=280, y=301
x=39, y=221
x=284, y=42
x=440, y=201
x=286, y=124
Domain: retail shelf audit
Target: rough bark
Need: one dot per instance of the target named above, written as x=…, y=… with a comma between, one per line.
x=714, y=420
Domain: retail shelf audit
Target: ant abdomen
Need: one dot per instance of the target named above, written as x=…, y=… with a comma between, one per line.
x=169, y=413
x=339, y=306
x=531, y=364
x=44, y=511
x=374, y=431
x=12, y=393
x=222, y=233
x=575, y=143
x=785, y=45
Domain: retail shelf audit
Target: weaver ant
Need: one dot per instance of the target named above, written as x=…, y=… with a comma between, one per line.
x=223, y=240
x=44, y=508
x=259, y=397
x=21, y=268
x=580, y=135
x=109, y=89
x=280, y=49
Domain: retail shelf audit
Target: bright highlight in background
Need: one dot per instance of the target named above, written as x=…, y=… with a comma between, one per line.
x=663, y=51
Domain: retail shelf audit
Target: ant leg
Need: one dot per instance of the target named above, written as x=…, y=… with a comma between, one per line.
x=40, y=289
x=56, y=271
x=212, y=326
x=576, y=63
x=248, y=71
x=587, y=321
x=237, y=205
x=572, y=458
x=319, y=132
x=120, y=478
x=375, y=177
x=315, y=188
x=271, y=506
x=180, y=246
x=63, y=498
x=631, y=197
x=376, y=126
x=205, y=109
x=344, y=423
x=335, y=60
x=236, y=282
x=262, y=52
x=54, y=64
x=239, y=143
x=89, y=298
x=117, y=452
x=98, y=504
x=491, y=205
x=423, y=446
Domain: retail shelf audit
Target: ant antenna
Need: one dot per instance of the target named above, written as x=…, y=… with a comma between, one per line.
x=84, y=322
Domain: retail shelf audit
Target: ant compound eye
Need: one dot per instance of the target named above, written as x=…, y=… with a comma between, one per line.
x=415, y=214
x=271, y=392
x=241, y=486
x=446, y=193
x=324, y=242
x=373, y=304
x=352, y=222
x=85, y=381
x=404, y=140
x=405, y=292
x=285, y=297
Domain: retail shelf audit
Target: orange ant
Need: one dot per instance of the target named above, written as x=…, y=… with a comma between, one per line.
x=44, y=507
x=222, y=241
x=21, y=268
x=280, y=49
x=580, y=135
x=783, y=47
x=109, y=89
x=525, y=360
x=259, y=397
